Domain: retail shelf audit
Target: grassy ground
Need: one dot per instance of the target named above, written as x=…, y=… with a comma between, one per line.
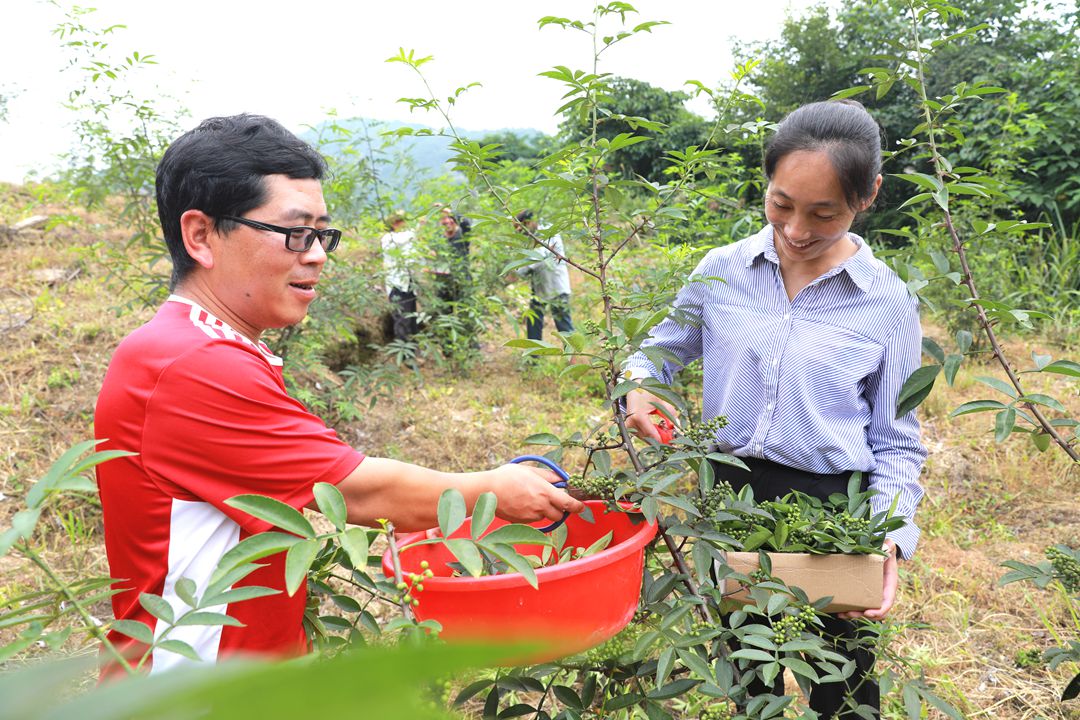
x=985, y=502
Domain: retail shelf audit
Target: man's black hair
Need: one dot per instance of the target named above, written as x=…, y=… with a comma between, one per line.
x=524, y=216
x=219, y=168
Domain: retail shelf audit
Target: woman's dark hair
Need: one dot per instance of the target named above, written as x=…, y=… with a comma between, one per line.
x=218, y=168
x=845, y=132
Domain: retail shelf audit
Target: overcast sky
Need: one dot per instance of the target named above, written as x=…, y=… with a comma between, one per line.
x=296, y=61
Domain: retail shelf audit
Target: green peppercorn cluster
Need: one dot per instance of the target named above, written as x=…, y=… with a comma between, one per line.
x=705, y=432
x=791, y=627
x=714, y=499
x=853, y=525
x=735, y=532
x=716, y=711
x=415, y=584
x=1066, y=568
x=799, y=524
x=601, y=486
x=617, y=648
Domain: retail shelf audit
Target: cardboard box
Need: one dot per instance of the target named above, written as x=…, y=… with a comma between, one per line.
x=853, y=581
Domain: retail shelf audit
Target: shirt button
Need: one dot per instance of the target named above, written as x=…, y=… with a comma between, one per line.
x=769, y=406
x=787, y=316
x=776, y=361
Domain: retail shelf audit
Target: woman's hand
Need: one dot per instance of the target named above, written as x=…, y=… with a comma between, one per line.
x=888, y=593
x=639, y=403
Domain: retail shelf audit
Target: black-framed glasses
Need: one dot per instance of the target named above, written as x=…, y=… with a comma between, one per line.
x=297, y=239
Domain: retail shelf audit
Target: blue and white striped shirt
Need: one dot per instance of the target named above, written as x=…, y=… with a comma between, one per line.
x=812, y=382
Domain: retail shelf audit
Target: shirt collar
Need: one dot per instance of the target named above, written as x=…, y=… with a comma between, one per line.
x=226, y=330
x=859, y=267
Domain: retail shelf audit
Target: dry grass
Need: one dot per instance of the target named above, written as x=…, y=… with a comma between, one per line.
x=985, y=502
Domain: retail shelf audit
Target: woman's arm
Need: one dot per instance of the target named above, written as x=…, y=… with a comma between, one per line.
x=898, y=451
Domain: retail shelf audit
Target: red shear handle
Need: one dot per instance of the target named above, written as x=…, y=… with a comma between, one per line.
x=663, y=427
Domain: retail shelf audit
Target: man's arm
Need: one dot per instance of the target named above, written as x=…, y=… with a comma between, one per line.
x=408, y=495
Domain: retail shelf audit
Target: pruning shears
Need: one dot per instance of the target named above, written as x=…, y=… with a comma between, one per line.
x=563, y=482
x=664, y=427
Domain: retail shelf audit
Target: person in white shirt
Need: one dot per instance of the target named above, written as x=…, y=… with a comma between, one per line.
x=398, y=246
x=550, y=281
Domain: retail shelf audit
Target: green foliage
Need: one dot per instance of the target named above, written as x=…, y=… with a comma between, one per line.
x=680, y=654
x=800, y=523
x=1059, y=573
x=377, y=682
x=634, y=113
x=120, y=137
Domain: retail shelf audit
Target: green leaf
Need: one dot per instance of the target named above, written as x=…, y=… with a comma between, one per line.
x=298, y=562
x=952, y=365
x=752, y=654
x=977, y=406
x=247, y=592
x=1004, y=423
x=912, y=702
x=932, y=349
x=451, y=511
x=675, y=688
x=483, y=514
x=599, y=545
x=185, y=590
x=999, y=385
x=252, y=549
x=208, y=619
x=567, y=696
x=331, y=503
x=1040, y=399
x=800, y=667
x=467, y=554
x=274, y=512
x=22, y=527
x=517, y=534
x=1041, y=440
x=515, y=560
x=134, y=629
x=545, y=438
x=924, y=181
x=472, y=689
x=180, y=648
x=1063, y=367
x=916, y=388
x=158, y=607
x=850, y=92
x=355, y=543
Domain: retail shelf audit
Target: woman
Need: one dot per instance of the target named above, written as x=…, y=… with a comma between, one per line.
x=805, y=345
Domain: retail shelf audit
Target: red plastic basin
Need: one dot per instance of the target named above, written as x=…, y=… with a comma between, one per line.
x=578, y=604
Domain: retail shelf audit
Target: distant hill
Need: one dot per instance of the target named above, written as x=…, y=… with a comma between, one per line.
x=402, y=163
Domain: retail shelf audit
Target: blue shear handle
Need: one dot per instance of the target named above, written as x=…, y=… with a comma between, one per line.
x=554, y=467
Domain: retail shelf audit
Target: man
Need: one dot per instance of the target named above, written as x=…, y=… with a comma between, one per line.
x=200, y=398
x=550, y=281
x=398, y=247
x=454, y=269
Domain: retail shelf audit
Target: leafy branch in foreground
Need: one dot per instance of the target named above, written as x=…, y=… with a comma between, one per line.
x=941, y=189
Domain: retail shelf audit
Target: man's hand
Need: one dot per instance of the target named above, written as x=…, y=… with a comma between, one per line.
x=526, y=494
x=639, y=403
x=891, y=580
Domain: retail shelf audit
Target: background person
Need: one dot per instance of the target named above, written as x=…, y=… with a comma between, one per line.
x=399, y=249
x=454, y=272
x=201, y=400
x=549, y=279
x=806, y=346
